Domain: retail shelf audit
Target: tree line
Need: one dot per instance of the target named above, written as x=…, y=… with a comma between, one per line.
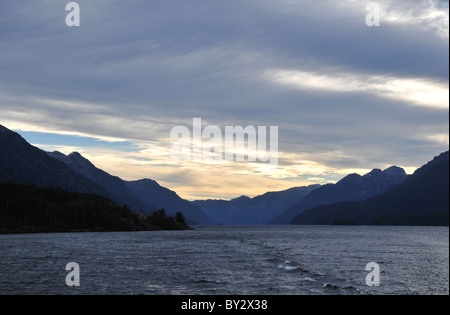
x=33, y=209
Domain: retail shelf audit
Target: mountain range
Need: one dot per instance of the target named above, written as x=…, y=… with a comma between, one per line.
x=23, y=163
x=378, y=197
x=253, y=211
x=422, y=199
x=113, y=184
x=353, y=187
x=281, y=207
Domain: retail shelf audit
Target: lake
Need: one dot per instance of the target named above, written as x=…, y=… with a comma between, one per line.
x=256, y=260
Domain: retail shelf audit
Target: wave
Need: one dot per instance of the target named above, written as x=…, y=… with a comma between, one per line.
x=308, y=279
x=208, y=281
x=349, y=289
x=330, y=286
x=287, y=268
x=291, y=266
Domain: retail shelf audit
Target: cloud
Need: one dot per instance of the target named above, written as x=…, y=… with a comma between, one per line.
x=415, y=91
x=429, y=14
x=341, y=93
x=76, y=141
x=426, y=15
x=440, y=138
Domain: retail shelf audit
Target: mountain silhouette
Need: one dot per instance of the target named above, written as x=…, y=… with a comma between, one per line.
x=422, y=199
x=353, y=187
x=143, y=195
x=23, y=163
x=113, y=184
x=436, y=160
x=416, y=199
x=252, y=211
x=149, y=190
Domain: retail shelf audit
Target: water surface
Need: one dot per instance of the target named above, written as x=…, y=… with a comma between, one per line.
x=264, y=260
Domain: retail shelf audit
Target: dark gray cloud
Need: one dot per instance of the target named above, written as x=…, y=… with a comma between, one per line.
x=134, y=69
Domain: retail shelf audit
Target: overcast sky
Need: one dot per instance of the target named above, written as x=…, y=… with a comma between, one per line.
x=346, y=97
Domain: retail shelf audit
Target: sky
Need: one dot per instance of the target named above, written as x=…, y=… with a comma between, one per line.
x=346, y=97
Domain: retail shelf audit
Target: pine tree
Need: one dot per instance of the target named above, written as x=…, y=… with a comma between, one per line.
x=179, y=218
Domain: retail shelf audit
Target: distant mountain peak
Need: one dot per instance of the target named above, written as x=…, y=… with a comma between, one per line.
x=351, y=178
x=81, y=164
x=394, y=168
x=395, y=171
x=75, y=154
x=57, y=155
x=147, y=181
x=72, y=157
x=240, y=198
x=374, y=171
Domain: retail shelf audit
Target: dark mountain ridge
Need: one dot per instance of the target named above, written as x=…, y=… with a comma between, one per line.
x=113, y=184
x=353, y=187
x=20, y=162
x=422, y=199
x=253, y=211
x=23, y=163
x=149, y=190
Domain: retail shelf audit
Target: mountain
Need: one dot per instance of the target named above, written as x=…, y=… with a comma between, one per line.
x=23, y=163
x=436, y=160
x=113, y=184
x=353, y=187
x=143, y=195
x=148, y=190
x=252, y=211
x=422, y=199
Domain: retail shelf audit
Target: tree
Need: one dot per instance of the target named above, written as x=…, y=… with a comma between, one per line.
x=32, y=209
x=179, y=218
